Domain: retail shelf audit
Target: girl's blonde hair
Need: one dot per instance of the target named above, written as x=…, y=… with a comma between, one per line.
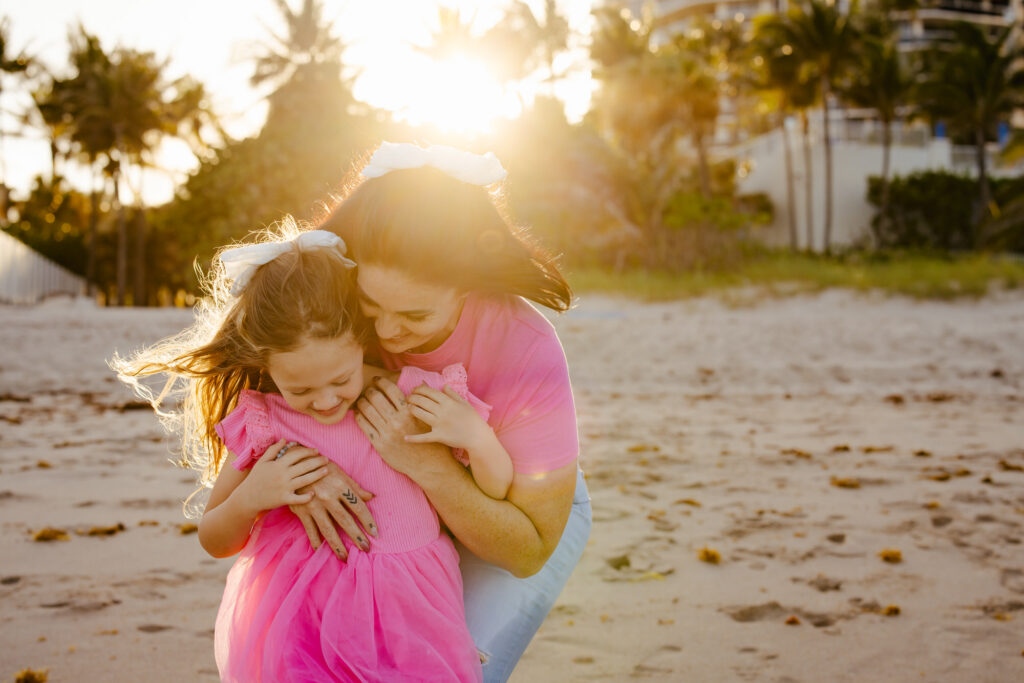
x=302, y=294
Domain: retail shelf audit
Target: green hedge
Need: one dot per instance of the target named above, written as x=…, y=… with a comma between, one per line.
x=936, y=209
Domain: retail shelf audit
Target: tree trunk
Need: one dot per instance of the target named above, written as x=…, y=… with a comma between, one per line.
x=790, y=190
x=984, y=193
x=883, y=214
x=140, y=257
x=702, y=166
x=808, y=185
x=122, y=242
x=828, y=166
x=5, y=192
x=90, y=262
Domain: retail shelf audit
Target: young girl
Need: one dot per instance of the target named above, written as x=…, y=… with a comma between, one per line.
x=283, y=367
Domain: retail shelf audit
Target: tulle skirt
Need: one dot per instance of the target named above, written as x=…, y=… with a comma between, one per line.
x=293, y=614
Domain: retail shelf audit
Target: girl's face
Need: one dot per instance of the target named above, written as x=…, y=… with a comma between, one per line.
x=409, y=315
x=321, y=377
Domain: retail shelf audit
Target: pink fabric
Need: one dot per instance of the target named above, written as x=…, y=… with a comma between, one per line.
x=293, y=614
x=453, y=376
x=516, y=364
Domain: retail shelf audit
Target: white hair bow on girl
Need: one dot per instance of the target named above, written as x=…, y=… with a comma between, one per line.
x=476, y=169
x=241, y=262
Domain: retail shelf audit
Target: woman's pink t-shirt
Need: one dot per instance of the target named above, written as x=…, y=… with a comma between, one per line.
x=516, y=365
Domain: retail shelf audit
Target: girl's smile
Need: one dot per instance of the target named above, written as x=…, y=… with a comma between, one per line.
x=321, y=377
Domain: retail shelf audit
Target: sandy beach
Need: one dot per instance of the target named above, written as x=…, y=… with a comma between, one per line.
x=819, y=488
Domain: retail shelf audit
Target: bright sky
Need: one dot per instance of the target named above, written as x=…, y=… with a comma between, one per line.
x=215, y=41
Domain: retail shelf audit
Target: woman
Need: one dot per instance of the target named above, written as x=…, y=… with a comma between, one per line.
x=444, y=277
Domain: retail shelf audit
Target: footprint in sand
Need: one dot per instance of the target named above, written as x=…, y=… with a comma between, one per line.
x=821, y=582
x=773, y=611
x=1012, y=580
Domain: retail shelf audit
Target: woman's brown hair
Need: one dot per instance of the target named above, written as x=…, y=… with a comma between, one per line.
x=444, y=231
x=302, y=294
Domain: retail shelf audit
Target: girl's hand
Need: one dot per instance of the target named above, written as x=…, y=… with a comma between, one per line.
x=384, y=416
x=273, y=482
x=452, y=420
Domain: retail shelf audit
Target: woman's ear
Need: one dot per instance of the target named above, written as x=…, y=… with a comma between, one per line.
x=490, y=242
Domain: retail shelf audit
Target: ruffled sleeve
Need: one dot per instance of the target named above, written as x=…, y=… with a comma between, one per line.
x=247, y=431
x=455, y=377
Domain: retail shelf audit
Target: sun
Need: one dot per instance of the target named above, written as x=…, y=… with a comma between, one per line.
x=455, y=95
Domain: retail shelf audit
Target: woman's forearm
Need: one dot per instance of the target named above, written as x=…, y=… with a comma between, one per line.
x=518, y=533
x=502, y=532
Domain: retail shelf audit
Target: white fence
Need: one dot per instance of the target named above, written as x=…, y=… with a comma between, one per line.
x=27, y=276
x=857, y=154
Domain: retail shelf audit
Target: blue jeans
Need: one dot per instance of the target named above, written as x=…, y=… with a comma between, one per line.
x=504, y=612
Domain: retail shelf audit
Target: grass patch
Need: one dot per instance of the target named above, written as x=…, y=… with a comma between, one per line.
x=773, y=274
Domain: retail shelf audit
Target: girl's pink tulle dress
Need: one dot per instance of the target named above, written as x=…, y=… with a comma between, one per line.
x=395, y=613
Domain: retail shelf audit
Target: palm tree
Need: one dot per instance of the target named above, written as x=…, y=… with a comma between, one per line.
x=138, y=120
x=553, y=36
x=78, y=101
x=454, y=36
x=308, y=41
x=973, y=83
x=505, y=49
x=302, y=67
x=796, y=84
x=883, y=83
x=621, y=50
x=118, y=107
x=688, y=95
x=46, y=108
x=777, y=73
x=649, y=100
x=825, y=39
x=9, y=64
x=544, y=38
x=618, y=39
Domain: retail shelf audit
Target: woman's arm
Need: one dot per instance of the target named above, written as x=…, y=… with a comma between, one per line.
x=518, y=533
x=238, y=497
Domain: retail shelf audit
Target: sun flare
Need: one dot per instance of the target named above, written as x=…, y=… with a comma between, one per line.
x=455, y=95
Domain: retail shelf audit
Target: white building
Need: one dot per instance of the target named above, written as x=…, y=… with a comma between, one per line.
x=27, y=277
x=856, y=147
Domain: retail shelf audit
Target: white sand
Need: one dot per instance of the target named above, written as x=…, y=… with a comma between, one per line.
x=701, y=426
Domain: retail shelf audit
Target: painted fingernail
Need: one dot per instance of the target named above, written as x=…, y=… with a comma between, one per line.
x=363, y=544
x=372, y=529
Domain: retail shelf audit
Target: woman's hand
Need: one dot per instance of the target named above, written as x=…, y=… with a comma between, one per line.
x=385, y=417
x=274, y=482
x=452, y=420
x=518, y=533
x=336, y=500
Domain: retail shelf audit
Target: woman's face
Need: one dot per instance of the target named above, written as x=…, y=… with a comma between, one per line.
x=408, y=314
x=321, y=377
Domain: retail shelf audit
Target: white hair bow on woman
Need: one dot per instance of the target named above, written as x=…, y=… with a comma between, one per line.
x=240, y=263
x=476, y=169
